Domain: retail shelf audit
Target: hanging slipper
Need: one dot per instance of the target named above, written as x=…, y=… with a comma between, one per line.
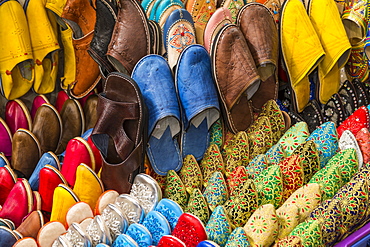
x=198, y=100
x=311, y=50
x=17, y=71
x=164, y=113
x=236, y=77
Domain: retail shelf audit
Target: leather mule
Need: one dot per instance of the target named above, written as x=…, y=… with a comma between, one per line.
x=19, y=202
x=258, y=26
x=131, y=37
x=123, y=143
x=236, y=77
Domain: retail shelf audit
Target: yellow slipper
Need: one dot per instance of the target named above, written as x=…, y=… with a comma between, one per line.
x=330, y=30
x=63, y=199
x=16, y=58
x=301, y=49
x=44, y=46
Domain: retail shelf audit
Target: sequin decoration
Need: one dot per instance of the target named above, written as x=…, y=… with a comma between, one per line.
x=358, y=120
x=190, y=173
x=238, y=238
x=293, y=176
x=346, y=160
x=218, y=227
x=348, y=140
x=363, y=140
x=212, y=161
x=275, y=154
x=271, y=110
x=216, y=134
x=293, y=137
x=330, y=180
x=353, y=201
x=238, y=177
x=329, y=216
x=242, y=203
x=216, y=192
x=262, y=227
x=288, y=217
x=171, y=210
x=306, y=199
x=190, y=230
x=157, y=225
x=140, y=234
x=175, y=189
x=269, y=186
x=309, y=159
x=260, y=136
x=309, y=232
x=237, y=152
x=197, y=205
x=326, y=139
x=256, y=166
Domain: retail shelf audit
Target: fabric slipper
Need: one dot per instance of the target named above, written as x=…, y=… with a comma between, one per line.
x=154, y=78
x=198, y=97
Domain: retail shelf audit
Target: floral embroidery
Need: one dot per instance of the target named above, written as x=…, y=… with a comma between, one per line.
x=157, y=225
x=238, y=238
x=288, y=217
x=242, y=203
x=275, y=154
x=237, y=177
x=181, y=37
x=330, y=218
x=293, y=175
x=140, y=234
x=363, y=140
x=237, y=152
x=271, y=110
x=190, y=174
x=197, y=206
x=326, y=139
x=212, y=161
x=216, y=192
x=353, y=202
x=309, y=232
x=216, y=134
x=256, y=166
x=309, y=159
x=295, y=136
x=290, y=241
x=262, y=227
x=269, y=186
x=260, y=136
x=218, y=228
x=171, y=210
x=175, y=189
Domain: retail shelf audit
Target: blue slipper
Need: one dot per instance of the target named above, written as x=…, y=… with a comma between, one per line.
x=3, y=160
x=48, y=158
x=199, y=101
x=140, y=234
x=154, y=78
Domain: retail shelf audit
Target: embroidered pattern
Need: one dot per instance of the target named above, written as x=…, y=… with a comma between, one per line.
x=197, y=206
x=218, y=228
x=181, y=37
x=237, y=152
x=216, y=192
x=140, y=234
x=260, y=136
x=329, y=180
x=256, y=166
x=157, y=225
x=295, y=136
x=242, y=203
x=309, y=159
x=288, y=217
x=326, y=139
x=190, y=174
x=212, y=161
x=271, y=110
x=363, y=140
x=309, y=232
x=216, y=134
x=292, y=171
x=275, y=154
x=171, y=210
x=238, y=177
x=175, y=189
x=269, y=186
x=238, y=238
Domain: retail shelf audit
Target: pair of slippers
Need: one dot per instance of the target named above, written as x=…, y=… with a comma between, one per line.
x=186, y=106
